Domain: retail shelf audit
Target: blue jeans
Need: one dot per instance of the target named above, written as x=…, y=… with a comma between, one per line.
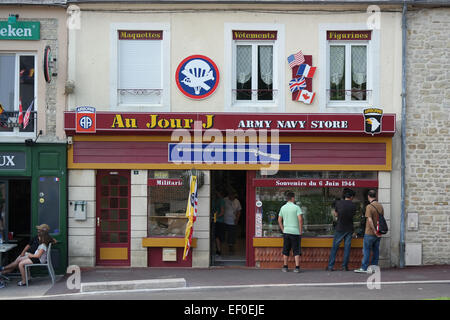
x=370, y=244
x=338, y=237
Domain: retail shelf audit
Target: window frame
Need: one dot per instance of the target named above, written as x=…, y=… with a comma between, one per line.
x=16, y=130
x=373, y=71
x=277, y=104
x=164, y=105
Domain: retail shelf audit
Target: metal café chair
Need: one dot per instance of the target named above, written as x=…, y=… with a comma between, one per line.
x=49, y=265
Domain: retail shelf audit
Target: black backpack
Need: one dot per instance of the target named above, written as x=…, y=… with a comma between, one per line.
x=381, y=223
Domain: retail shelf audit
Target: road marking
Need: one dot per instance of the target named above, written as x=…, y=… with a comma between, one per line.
x=244, y=286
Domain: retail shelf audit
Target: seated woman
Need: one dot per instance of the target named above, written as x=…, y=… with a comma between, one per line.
x=26, y=257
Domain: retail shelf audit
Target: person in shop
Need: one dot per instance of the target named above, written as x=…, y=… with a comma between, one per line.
x=231, y=218
x=290, y=220
x=219, y=225
x=344, y=210
x=34, y=252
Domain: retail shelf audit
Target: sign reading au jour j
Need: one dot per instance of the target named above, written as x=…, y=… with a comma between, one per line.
x=20, y=30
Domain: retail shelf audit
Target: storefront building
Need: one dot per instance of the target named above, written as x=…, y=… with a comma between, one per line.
x=33, y=153
x=150, y=99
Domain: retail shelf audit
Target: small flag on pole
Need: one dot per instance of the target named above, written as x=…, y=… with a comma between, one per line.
x=296, y=59
x=20, y=112
x=27, y=115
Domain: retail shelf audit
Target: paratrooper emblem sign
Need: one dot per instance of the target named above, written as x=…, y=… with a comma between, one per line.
x=197, y=77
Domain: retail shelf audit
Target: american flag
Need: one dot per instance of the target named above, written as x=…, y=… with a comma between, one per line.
x=26, y=119
x=297, y=84
x=296, y=59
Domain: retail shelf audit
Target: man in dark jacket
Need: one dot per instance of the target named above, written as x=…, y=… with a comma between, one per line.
x=344, y=211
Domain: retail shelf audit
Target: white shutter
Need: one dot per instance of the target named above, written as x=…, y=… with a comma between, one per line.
x=139, y=71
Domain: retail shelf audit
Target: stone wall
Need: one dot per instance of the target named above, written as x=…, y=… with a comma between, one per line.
x=428, y=138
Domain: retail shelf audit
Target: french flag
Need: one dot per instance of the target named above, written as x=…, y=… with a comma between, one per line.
x=306, y=71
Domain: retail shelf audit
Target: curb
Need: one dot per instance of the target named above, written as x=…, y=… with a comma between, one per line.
x=133, y=285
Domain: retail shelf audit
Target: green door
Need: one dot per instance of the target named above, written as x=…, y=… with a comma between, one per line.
x=49, y=197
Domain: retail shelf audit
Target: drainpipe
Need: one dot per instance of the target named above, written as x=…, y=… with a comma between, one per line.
x=403, y=138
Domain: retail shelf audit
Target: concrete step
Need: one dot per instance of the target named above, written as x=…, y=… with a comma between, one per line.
x=133, y=285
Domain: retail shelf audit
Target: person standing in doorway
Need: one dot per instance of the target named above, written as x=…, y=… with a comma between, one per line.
x=219, y=212
x=231, y=218
x=290, y=220
x=344, y=211
x=372, y=238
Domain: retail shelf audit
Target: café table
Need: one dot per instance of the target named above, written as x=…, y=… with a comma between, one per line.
x=5, y=247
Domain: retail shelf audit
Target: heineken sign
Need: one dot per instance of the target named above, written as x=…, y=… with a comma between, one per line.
x=20, y=30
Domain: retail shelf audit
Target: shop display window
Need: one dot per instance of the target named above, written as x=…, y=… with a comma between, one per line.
x=168, y=192
x=317, y=203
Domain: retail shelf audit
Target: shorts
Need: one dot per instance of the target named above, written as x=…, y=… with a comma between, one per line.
x=220, y=230
x=35, y=260
x=291, y=241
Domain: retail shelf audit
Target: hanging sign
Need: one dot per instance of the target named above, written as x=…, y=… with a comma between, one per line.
x=85, y=120
x=197, y=77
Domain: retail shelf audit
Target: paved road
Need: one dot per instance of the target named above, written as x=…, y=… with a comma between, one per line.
x=345, y=291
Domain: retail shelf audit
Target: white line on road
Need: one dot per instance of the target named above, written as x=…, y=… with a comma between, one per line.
x=251, y=286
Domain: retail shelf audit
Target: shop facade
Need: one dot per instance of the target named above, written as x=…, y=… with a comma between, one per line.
x=33, y=153
x=138, y=183
x=129, y=66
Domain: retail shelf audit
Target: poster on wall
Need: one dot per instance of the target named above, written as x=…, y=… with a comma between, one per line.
x=197, y=77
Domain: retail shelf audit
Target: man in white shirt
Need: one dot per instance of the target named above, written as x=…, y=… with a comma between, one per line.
x=231, y=218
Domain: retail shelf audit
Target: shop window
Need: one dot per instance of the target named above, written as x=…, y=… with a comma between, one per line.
x=140, y=74
x=316, y=205
x=168, y=193
x=315, y=193
x=256, y=69
x=17, y=92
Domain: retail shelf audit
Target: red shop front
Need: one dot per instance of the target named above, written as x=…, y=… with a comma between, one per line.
x=313, y=155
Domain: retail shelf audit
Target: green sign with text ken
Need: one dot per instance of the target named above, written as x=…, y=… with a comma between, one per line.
x=20, y=30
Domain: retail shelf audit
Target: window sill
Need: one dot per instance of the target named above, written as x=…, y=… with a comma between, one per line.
x=166, y=242
x=307, y=242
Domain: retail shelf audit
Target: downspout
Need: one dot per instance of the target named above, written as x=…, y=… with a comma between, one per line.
x=403, y=139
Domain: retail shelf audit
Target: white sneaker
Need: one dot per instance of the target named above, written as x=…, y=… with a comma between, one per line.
x=360, y=270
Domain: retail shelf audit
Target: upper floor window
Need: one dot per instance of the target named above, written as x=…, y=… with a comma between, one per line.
x=351, y=77
x=255, y=71
x=17, y=92
x=141, y=64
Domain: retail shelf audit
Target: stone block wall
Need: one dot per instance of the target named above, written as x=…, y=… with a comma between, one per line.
x=427, y=127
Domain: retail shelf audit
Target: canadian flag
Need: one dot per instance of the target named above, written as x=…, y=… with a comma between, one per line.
x=306, y=96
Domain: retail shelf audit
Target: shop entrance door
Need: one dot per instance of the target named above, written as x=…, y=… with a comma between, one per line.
x=113, y=218
x=230, y=248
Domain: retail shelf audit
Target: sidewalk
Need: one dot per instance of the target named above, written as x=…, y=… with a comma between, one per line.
x=214, y=277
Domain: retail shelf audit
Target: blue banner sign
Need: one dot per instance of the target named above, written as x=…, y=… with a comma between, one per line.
x=229, y=153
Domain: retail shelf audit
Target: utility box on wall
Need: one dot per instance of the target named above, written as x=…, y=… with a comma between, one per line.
x=80, y=210
x=413, y=254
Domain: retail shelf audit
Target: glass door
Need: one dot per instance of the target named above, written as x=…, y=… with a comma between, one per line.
x=113, y=218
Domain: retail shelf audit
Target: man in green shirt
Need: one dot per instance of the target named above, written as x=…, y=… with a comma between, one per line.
x=290, y=220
